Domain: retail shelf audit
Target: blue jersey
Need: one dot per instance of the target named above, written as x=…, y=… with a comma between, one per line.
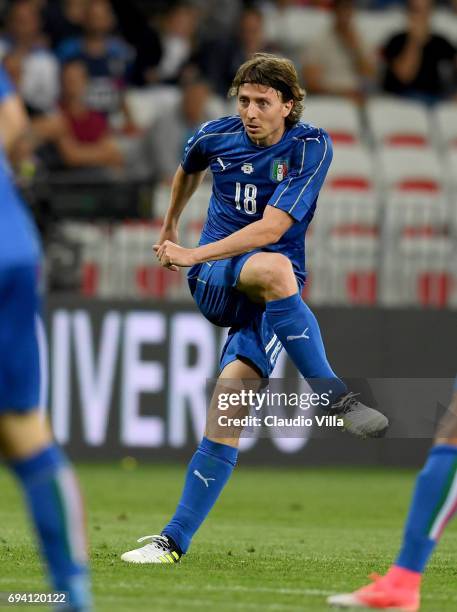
x=19, y=296
x=246, y=177
x=18, y=238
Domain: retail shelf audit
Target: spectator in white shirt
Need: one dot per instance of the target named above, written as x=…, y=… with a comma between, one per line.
x=39, y=85
x=339, y=63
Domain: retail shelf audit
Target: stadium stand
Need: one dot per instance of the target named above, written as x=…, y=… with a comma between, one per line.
x=445, y=118
x=339, y=117
x=386, y=224
x=346, y=231
x=395, y=122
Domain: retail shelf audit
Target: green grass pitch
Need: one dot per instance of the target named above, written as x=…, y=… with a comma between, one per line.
x=278, y=539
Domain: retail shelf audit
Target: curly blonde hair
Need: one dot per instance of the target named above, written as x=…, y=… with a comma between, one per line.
x=276, y=72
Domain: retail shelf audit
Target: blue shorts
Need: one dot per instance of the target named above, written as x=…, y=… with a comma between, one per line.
x=213, y=287
x=19, y=356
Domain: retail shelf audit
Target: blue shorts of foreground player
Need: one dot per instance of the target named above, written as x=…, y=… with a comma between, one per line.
x=19, y=355
x=213, y=287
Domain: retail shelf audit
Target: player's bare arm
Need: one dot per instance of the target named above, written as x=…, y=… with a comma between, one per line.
x=183, y=187
x=258, y=234
x=13, y=122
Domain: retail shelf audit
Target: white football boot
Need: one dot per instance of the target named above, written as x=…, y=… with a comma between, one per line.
x=160, y=550
x=360, y=420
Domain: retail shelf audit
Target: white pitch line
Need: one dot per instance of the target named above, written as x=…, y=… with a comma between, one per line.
x=208, y=603
x=278, y=591
x=240, y=588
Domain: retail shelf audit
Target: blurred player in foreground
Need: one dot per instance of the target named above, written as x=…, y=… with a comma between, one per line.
x=249, y=270
x=26, y=443
x=434, y=504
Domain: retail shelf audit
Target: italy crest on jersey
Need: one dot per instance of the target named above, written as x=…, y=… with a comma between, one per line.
x=279, y=169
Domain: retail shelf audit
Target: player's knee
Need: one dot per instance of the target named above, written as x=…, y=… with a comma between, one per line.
x=276, y=276
x=22, y=435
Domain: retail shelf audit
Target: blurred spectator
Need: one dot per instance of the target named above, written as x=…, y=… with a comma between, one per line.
x=419, y=63
x=145, y=40
x=218, y=18
x=13, y=64
x=79, y=138
x=169, y=135
x=177, y=31
x=106, y=57
x=218, y=59
x=35, y=69
x=85, y=124
x=80, y=135
x=339, y=62
x=64, y=19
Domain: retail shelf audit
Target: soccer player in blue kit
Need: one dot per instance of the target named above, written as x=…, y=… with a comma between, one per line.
x=249, y=268
x=433, y=505
x=26, y=443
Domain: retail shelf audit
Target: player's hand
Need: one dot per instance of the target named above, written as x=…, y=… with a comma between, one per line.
x=170, y=234
x=173, y=256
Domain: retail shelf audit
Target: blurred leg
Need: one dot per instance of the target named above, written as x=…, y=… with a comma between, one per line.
x=52, y=495
x=435, y=497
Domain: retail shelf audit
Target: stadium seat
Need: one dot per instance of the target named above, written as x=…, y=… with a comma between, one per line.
x=444, y=22
x=450, y=165
x=445, y=117
x=416, y=228
x=147, y=105
x=292, y=27
x=410, y=169
x=378, y=26
x=338, y=116
x=343, y=270
x=416, y=203
x=348, y=204
x=344, y=250
x=95, y=255
x=137, y=273
x=398, y=123
x=419, y=272
x=194, y=212
x=352, y=167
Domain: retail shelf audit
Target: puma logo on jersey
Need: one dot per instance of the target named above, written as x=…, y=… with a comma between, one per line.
x=224, y=166
x=302, y=335
x=318, y=139
x=205, y=480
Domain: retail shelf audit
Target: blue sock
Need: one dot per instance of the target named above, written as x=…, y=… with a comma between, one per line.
x=54, y=503
x=433, y=505
x=297, y=328
x=208, y=472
